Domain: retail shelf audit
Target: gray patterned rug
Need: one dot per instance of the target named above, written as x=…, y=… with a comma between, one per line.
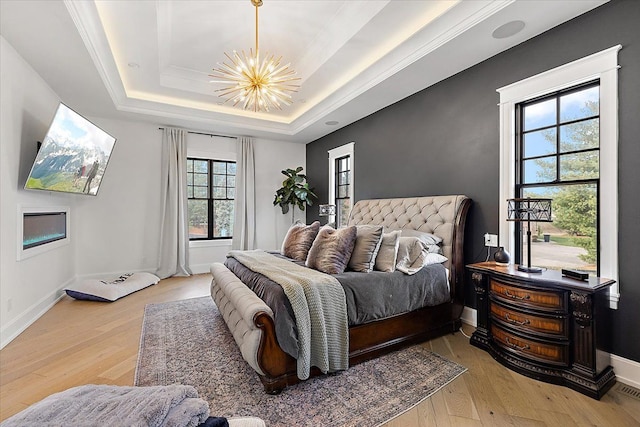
x=187, y=342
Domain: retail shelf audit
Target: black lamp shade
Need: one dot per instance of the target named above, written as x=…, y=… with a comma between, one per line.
x=529, y=209
x=326, y=210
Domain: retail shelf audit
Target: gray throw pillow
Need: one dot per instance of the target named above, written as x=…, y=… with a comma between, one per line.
x=332, y=249
x=388, y=252
x=368, y=239
x=299, y=239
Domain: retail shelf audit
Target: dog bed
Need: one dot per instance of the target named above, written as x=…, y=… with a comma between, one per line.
x=111, y=290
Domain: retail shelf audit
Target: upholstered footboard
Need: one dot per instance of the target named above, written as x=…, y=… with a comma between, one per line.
x=239, y=307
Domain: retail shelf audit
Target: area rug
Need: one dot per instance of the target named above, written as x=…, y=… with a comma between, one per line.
x=187, y=342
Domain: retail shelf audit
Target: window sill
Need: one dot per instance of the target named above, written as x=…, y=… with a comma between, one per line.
x=209, y=243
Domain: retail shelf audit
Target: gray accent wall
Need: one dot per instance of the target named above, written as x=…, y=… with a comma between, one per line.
x=445, y=140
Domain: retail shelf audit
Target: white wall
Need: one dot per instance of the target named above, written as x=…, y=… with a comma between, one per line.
x=271, y=157
x=118, y=229
x=30, y=286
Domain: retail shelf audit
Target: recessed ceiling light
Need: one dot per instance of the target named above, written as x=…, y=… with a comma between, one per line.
x=507, y=30
x=331, y=123
x=133, y=65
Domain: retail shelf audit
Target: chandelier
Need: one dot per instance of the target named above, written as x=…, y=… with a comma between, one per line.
x=255, y=84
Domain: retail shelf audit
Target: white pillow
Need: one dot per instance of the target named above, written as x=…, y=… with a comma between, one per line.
x=413, y=254
x=432, y=241
x=109, y=291
x=433, y=258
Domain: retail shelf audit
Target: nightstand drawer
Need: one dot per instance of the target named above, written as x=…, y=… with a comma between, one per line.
x=553, y=353
x=538, y=299
x=529, y=323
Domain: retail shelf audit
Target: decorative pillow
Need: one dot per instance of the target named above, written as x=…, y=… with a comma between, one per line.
x=413, y=254
x=365, y=250
x=299, y=239
x=109, y=291
x=388, y=252
x=431, y=240
x=432, y=258
x=331, y=250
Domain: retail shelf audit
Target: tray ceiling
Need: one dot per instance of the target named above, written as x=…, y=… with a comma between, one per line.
x=353, y=57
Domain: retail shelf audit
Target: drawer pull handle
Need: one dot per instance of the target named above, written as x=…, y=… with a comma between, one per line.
x=515, y=346
x=514, y=296
x=516, y=322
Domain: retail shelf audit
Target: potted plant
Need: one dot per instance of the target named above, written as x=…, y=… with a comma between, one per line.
x=294, y=192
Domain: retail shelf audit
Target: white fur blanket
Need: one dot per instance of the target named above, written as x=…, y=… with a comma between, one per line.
x=106, y=405
x=319, y=306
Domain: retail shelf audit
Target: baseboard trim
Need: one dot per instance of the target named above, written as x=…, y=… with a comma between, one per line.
x=200, y=268
x=10, y=331
x=469, y=316
x=627, y=371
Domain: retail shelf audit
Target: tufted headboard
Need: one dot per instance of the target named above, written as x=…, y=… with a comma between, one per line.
x=443, y=216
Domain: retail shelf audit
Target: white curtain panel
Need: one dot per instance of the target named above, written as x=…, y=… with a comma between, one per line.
x=244, y=222
x=173, y=259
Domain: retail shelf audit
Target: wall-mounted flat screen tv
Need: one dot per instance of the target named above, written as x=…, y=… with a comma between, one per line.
x=73, y=156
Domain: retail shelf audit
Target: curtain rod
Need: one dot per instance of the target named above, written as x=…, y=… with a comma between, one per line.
x=207, y=134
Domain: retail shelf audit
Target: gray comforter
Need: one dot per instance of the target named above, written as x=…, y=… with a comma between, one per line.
x=369, y=296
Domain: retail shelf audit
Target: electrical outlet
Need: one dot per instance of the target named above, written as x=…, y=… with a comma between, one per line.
x=491, y=240
x=9, y=304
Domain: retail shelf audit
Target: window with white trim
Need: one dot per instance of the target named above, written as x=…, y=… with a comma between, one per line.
x=210, y=198
x=557, y=157
x=598, y=69
x=341, y=173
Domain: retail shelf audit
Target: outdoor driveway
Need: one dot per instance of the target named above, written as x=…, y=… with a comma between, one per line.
x=553, y=255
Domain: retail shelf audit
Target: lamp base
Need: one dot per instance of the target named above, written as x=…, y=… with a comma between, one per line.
x=529, y=269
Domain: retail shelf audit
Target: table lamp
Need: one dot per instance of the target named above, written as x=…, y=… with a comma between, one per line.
x=527, y=210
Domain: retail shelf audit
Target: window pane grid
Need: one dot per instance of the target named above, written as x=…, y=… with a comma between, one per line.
x=558, y=158
x=342, y=190
x=211, y=193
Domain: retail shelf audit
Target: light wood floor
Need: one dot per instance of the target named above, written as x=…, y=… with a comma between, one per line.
x=79, y=342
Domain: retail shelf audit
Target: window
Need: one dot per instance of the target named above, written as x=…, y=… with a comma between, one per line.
x=557, y=152
x=547, y=150
x=211, y=193
x=342, y=183
x=341, y=172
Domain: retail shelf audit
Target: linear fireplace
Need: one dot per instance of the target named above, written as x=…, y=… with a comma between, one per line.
x=41, y=230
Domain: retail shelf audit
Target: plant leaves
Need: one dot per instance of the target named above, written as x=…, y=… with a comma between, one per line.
x=294, y=191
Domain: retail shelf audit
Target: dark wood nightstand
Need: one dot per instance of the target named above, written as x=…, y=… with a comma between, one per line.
x=544, y=325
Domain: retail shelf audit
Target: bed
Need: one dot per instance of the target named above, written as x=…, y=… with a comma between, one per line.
x=251, y=319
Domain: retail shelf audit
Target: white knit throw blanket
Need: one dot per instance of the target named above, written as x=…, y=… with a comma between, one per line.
x=319, y=305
